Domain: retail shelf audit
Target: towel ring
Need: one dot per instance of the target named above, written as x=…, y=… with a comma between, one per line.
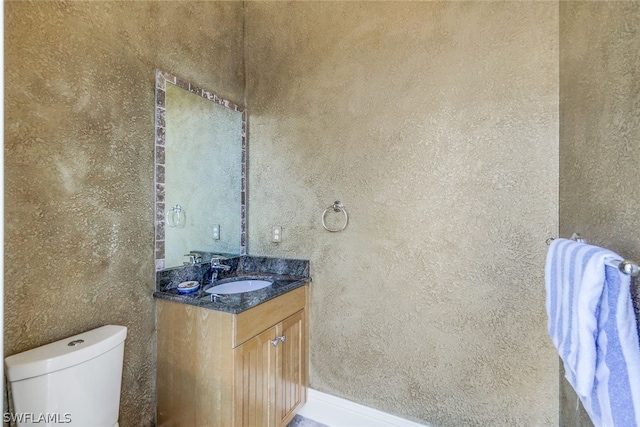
x=175, y=216
x=336, y=207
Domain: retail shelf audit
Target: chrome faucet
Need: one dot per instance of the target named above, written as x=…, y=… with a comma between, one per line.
x=216, y=266
x=194, y=258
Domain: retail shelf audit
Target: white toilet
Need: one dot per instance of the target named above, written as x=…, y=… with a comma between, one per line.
x=71, y=382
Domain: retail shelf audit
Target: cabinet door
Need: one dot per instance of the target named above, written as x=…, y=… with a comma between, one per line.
x=291, y=366
x=255, y=369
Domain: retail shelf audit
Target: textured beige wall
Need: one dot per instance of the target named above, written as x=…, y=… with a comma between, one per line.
x=79, y=188
x=436, y=124
x=599, y=134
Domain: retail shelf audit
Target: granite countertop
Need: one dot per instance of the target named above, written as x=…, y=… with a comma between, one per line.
x=285, y=274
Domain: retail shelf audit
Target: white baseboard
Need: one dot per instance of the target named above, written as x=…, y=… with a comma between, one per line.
x=334, y=411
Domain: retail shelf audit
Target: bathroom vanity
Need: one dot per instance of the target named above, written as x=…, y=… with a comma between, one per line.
x=222, y=369
x=234, y=360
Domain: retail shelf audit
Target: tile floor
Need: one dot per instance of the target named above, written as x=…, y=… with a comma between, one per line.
x=300, y=421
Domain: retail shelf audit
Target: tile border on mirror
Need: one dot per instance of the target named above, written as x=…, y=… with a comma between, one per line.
x=162, y=78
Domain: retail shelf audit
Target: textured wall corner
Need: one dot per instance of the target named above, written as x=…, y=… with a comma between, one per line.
x=79, y=111
x=599, y=134
x=436, y=124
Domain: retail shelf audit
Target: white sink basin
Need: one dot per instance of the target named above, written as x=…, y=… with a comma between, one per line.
x=239, y=287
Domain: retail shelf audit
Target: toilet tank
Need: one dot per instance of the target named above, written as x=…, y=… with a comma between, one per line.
x=72, y=382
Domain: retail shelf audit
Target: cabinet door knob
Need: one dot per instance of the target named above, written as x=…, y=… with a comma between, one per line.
x=278, y=340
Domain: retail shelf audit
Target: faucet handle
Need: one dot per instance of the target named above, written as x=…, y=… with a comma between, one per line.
x=193, y=258
x=216, y=264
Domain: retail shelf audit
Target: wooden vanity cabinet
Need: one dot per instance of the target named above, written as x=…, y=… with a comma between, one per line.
x=222, y=369
x=271, y=380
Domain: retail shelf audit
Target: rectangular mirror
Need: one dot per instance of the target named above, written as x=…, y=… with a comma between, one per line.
x=200, y=173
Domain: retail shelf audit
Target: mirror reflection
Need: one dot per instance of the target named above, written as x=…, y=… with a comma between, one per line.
x=200, y=203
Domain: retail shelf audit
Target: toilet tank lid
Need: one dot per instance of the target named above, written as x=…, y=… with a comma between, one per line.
x=60, y=355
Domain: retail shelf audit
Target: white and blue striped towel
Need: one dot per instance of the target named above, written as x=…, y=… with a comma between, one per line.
x=594, y=328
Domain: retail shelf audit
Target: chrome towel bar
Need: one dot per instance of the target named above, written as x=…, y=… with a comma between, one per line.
x=625, y=266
